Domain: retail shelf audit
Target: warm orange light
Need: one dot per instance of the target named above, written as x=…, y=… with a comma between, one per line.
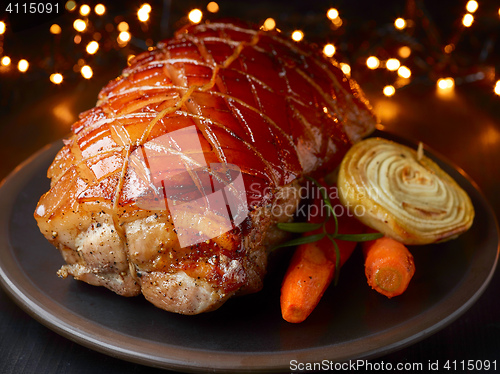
x=332, y=14
x=55, y=29
x=269, y=24
x=472, y=6
x=122, y=26
x=79, y=25
x=100, y=9
x=297, y=35
x=84, y=10
x=468, y=20
x=195, y=16
x=2, y=27
x=23, y=65
x=346, y=69
x=372, y=62
x=56, y=78
x=129, y=59
x=146, y=8
x=400, y=23
x=142, y=16
x=404, y=51
x=389, y=90
x=213, y=7
x=143, y=12
x=5, y=61
x=337, y=22
x=70, y=5
x=92, y=47
x=497, y=88
x=445, y=83
x=449, y=48
x=86, y=72
x=124, y=36
x=329, y=50
x=404, y=72
x=392, y=64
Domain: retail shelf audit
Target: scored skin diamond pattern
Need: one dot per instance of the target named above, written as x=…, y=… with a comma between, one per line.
x=275, y=109
x=254, y=111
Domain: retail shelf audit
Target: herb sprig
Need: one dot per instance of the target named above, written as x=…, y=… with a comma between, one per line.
x=304, y=227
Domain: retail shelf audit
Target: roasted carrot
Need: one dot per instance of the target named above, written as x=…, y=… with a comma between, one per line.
x=312, y=267
x=309, y=274
x=389, y=266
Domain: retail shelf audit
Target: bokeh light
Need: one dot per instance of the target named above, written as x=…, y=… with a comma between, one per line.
x=56, y=78
x=332, y=13
x=55, y=29
x=404, y=51
x=79, y=25
x=389, y=91
x=445, y=83
x=404, y=72
x=213, y=7
x=346, y=69
x=400, y=23
x=122, y=26
x=195, y=16
x=70, y=5
x=297, y=35
x=468, y=20
x=92, y=47
x=84, y=10
x=100, y=9
x=269, y=24
x=124, y=37
x=372, y=62
x=143, y=12
x=329, y=50
x=5, y=61
x=472, y=6
x=392, y=64
x=497, y=88
x=23, y=65
x=86, y=72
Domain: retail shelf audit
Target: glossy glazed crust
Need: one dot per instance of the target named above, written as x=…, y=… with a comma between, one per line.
x=276, y=109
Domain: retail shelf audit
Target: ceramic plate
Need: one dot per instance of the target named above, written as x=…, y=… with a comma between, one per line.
x=247, y=333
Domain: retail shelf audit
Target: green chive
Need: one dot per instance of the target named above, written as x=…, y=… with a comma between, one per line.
x=302, y=240
x=359, y=237
x=337, y=259
x=324, y=195
x=299, y=227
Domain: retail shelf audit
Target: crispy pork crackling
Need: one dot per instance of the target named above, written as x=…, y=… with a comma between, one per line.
x=173, y=184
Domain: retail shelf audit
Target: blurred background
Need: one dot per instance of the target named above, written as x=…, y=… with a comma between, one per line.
x=431, y=70
x=413, y=58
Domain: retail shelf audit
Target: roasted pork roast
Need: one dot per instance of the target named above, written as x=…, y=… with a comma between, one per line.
x=173, y=184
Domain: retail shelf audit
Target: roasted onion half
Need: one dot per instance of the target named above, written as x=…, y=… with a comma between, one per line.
x=402, y=193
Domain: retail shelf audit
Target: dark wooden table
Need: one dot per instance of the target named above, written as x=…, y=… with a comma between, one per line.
x=464, y=127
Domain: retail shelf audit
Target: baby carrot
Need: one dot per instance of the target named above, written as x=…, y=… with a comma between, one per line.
x=309, y=274
x=389, y=266
x=312, y=268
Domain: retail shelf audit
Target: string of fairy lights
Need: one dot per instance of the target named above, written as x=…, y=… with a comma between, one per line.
x=399, y=66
